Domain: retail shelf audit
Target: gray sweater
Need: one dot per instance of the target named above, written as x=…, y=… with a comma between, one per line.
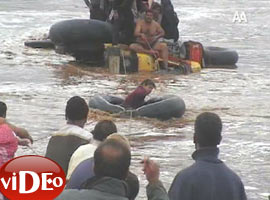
x=207, y=179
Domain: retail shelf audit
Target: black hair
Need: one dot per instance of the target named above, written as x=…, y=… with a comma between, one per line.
x=208, y=127
x=76, y=109
x=149, y=11
x=133, y=185
x=112, y=159
x=3, y=109
x=149, y=82
x=155, y=5
x=103, y=129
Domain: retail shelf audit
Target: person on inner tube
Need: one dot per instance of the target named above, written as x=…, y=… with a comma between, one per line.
x=136, y=98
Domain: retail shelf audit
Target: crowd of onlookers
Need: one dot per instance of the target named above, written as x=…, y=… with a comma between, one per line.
x=97, y=163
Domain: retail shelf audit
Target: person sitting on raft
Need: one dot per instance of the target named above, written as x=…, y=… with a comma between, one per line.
x=147, y=33
x=136, y=98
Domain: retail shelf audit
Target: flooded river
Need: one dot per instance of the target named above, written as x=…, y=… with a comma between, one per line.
x=36, y=84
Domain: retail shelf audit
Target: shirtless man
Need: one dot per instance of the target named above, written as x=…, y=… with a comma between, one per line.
x=147, y=33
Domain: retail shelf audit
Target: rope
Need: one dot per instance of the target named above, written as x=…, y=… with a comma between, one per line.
x=155, y=57
x=124, y=62
x=34, y=151
x=130, y=118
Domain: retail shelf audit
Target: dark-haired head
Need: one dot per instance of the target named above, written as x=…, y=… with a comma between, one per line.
x=112, y=159
x=76, y=109
x=148, y=82
x=149, y=11
x=103, y=129
x=208, y=127
x=3, y=109
x=148, y=17
x=156, y=6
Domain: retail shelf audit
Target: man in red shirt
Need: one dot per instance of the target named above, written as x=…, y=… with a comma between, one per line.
x=136, y=98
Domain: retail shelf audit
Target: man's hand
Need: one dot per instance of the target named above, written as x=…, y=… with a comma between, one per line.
x=154, y=53
x=143, y=37
x=24, y=142
x=151, y=170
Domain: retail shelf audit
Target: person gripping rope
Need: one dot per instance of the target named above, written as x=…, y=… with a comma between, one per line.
x=20, y=132
x=136, y=98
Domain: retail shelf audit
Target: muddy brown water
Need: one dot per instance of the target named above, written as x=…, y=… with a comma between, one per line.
x=36, y=84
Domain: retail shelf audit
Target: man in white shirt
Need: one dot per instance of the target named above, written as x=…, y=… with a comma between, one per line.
x=101, y=131
x=64, y=142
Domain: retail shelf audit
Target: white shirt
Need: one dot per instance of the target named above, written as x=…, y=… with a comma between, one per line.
x=82, y=153
x=70, y=129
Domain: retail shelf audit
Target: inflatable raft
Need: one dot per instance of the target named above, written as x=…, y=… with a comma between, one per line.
x=162, y=108
x=84, y=39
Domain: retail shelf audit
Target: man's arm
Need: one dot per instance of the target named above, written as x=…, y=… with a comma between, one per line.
x=137, y=32
x=155, y=189
x=20, y=132
x=159, y=33
x=160, y=30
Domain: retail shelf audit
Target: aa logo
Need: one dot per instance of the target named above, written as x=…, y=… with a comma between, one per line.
x=240, y=17
x=31, y=177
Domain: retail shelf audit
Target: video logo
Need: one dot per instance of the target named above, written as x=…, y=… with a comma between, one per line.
x=31, y=178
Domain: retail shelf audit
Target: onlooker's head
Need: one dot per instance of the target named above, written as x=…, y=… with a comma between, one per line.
x=103, y=129
x=3, y=109
x=148, y=85
x=120, y=138
x=112, y=159
x=76, y=109
x=149, y=15
x=208, y=127
x=131, y=180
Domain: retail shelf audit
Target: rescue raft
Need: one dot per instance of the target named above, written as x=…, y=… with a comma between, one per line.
x=162, y=108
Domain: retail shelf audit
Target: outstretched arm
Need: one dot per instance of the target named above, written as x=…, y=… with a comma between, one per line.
x=20, y=132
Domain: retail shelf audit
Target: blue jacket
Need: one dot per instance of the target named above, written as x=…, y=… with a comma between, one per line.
x=207, y=179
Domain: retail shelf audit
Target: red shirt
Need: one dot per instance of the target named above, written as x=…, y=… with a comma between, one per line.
x=8, y=144
x=136, y=98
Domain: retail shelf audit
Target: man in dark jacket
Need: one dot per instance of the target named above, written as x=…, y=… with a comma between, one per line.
x=208, y=178
x=122, y=21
